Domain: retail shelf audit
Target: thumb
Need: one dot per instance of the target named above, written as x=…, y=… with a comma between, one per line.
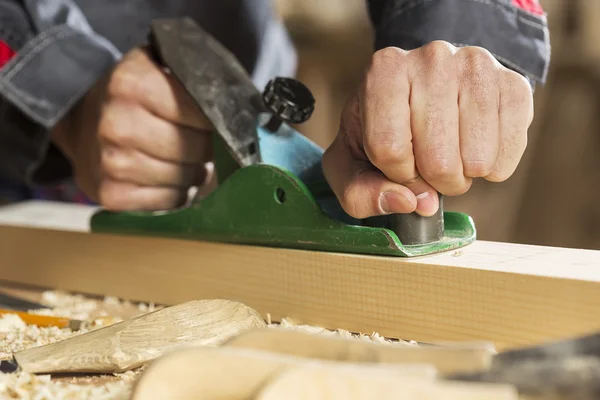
x=362, y=190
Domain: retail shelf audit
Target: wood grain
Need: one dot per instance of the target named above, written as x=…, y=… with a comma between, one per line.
x=509, y=294
x=137, y=341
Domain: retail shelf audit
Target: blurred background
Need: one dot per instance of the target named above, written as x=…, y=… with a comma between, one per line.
x=553, y=198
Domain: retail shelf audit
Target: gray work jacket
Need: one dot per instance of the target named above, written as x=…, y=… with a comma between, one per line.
x=63, y=47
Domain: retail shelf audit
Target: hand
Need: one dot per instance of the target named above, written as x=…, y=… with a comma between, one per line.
x=427, y=120
x=136, y=140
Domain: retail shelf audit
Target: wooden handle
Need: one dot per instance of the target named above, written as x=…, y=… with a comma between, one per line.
x=238, y=373
x=446, y=359
x=356, y=383
x=134, y=342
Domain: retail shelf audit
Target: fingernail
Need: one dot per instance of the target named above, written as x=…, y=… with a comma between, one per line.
x=427, y=204
x=391, y=202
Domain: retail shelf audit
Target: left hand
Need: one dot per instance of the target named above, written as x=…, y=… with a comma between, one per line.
x=425, y=121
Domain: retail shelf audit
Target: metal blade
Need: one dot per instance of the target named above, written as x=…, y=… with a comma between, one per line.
x=568, y=369
x=17, y=303
x=216, y=80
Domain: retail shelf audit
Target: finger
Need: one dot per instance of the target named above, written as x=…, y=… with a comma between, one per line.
x=132, y=126
x=209, y=183
x=124, y=196
x=362, y=190
x=435, y=119
x=138, y=79
x=516, y=115
x=133, y=166
x=478, y=104
x=387, y=136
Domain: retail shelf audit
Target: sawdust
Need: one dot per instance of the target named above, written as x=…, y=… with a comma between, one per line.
x=10, y=323
x=30, y=336
x=42, y=387
x=15, y=335
x=373, y=337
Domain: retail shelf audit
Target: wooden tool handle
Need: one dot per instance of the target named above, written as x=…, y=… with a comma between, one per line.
x=238, y=373
x=356, y=383
x=134, y=342
x=446, y=359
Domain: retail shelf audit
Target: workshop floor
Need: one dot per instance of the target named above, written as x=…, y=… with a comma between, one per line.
x=18, y=336
x=15, y=336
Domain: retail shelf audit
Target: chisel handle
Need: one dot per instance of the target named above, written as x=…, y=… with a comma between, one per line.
x=44, y=320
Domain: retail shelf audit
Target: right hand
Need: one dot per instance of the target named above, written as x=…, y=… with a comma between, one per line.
x=137, y=141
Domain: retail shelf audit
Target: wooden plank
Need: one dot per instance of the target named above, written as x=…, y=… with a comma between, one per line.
x=509, y=294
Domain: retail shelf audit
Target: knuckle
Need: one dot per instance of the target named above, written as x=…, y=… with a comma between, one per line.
x=383, y=151
x=437, y=125
x=388, y=59
x=116, y=164
x=388, y=55
x=114, y=127
x=443, y=173
x=387, y=65
x=476, y=169
x=438, y=169
x=438, y=50
x=124, y=83
x=516, y=91
x=477, y=61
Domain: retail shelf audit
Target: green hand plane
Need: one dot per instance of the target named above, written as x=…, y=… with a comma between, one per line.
x=271, y=189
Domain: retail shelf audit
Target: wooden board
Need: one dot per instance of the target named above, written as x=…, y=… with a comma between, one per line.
x=510, y=294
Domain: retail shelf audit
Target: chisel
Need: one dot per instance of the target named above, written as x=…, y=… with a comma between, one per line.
x=136, y=341
x=567, y=369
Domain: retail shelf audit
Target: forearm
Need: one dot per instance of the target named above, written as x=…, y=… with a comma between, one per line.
x=57, y=59
x=516, y=35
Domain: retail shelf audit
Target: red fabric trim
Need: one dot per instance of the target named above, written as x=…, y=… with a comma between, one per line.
x=532, y=6
x=6, y=53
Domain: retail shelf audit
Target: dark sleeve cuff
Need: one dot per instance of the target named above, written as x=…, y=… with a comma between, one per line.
x=25, y=146
x=48, y=75
x=517, y=38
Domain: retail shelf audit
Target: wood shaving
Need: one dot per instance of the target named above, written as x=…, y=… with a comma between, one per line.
x=42, y=387
x=373, y=337
x=30, y=336
x=10, y=323
x=17, y=336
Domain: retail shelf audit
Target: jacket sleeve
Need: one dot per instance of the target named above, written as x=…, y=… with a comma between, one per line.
x=57, y=58
x=514, y=31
